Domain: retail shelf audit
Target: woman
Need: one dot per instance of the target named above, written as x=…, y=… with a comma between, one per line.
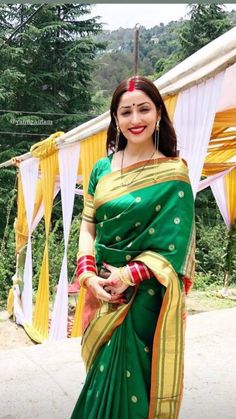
x=138, y=219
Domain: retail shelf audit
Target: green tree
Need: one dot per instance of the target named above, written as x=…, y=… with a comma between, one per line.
x=46, y=73
x=46, y=69
x=215, y=252
x=207, y=22
x=230, y=259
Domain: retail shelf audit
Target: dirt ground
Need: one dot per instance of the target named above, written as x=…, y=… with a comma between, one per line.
x=13, y=336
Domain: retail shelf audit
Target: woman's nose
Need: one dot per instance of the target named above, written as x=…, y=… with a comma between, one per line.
x=135, y=117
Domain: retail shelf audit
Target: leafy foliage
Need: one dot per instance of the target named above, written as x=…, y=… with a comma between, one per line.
x=160, y=47
x=56, y=251
x=117, y=62
x=46, y=70
x=207, y=22
x=214, y=250
x=7, y=265
x=230, y=259
x=47, y=67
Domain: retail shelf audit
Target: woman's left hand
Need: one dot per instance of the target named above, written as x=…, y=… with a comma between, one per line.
x=113, y=283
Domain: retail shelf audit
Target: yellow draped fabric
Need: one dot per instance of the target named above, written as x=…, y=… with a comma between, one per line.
x=92, y=149
x=220, y=151
x=221, y=140
x=46, y=147
x=21, y=227
x=222, y=134
x=77, y=324
x=10, y=302
x=210, y=169
x=230, y=181
x=170, y=103
x=226, y=150
x=225, y=119
x=220, y=156
x=217, y=132
x=39, y=150
x=46, y=151
x=48, y=166
x=222, y=148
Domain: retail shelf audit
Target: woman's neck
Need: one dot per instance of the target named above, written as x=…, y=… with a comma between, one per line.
x=139, y=152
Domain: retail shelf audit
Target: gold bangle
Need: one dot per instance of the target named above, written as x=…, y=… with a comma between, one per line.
x=125, y=277
x=80, y=253
x=83, y=278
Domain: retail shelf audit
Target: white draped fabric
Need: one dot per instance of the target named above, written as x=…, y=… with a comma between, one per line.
x=40, y=212
x=219, y=191
x=68, y=166
x=211, y=179
x=29, y=175
x=57, y=188
x=17, y=306
x=217, y=184
x=228, y=96
x=193, y=121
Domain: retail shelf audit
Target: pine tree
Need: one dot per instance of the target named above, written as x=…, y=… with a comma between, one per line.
x=207, y=22
x=46, y=69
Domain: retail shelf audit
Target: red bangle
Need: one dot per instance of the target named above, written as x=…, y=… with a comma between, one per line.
x=139, y=272
x=85, y=263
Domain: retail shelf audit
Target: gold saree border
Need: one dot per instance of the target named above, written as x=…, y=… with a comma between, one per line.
x=89, y=211
x=168, y=344
x=100, y=330
x=189, y=265
x=164, y=171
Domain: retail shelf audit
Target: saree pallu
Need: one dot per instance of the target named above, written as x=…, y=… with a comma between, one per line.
x=134, y=351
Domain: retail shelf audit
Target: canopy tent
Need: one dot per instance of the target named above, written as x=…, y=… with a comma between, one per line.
x=200, y=97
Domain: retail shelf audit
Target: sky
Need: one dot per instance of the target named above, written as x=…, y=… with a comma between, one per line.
x=148, y=15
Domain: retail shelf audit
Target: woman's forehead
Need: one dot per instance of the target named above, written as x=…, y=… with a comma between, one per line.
x=135, y=97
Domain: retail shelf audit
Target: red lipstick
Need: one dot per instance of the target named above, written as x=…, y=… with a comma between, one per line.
x=137, y=130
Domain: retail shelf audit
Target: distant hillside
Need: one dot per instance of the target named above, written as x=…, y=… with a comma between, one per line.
x=159, y=51
x=116, y=63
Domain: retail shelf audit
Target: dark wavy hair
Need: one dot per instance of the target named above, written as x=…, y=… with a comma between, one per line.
x=167, y=138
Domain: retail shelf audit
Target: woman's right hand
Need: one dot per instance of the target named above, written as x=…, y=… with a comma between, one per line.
x=96, y=285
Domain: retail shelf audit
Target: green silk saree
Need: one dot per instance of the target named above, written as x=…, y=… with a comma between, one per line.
x=134, y=352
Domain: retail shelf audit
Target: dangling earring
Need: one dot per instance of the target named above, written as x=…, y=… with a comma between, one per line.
x=156, y=143
x=117, y=138
x=157, y=135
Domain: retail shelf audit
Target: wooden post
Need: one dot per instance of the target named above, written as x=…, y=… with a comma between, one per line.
x=136, y=35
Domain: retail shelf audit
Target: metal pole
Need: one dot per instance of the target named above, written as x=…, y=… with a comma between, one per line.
x=136, y=35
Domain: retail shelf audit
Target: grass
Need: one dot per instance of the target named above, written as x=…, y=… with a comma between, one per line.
x=198, y=301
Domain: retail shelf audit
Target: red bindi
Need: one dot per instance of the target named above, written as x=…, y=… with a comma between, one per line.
x=131, y=86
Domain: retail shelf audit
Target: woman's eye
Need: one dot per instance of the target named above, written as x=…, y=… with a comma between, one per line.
x=125, y=113
x=144, y=110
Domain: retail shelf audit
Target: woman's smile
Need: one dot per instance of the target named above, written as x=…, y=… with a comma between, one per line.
x=137, y=130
